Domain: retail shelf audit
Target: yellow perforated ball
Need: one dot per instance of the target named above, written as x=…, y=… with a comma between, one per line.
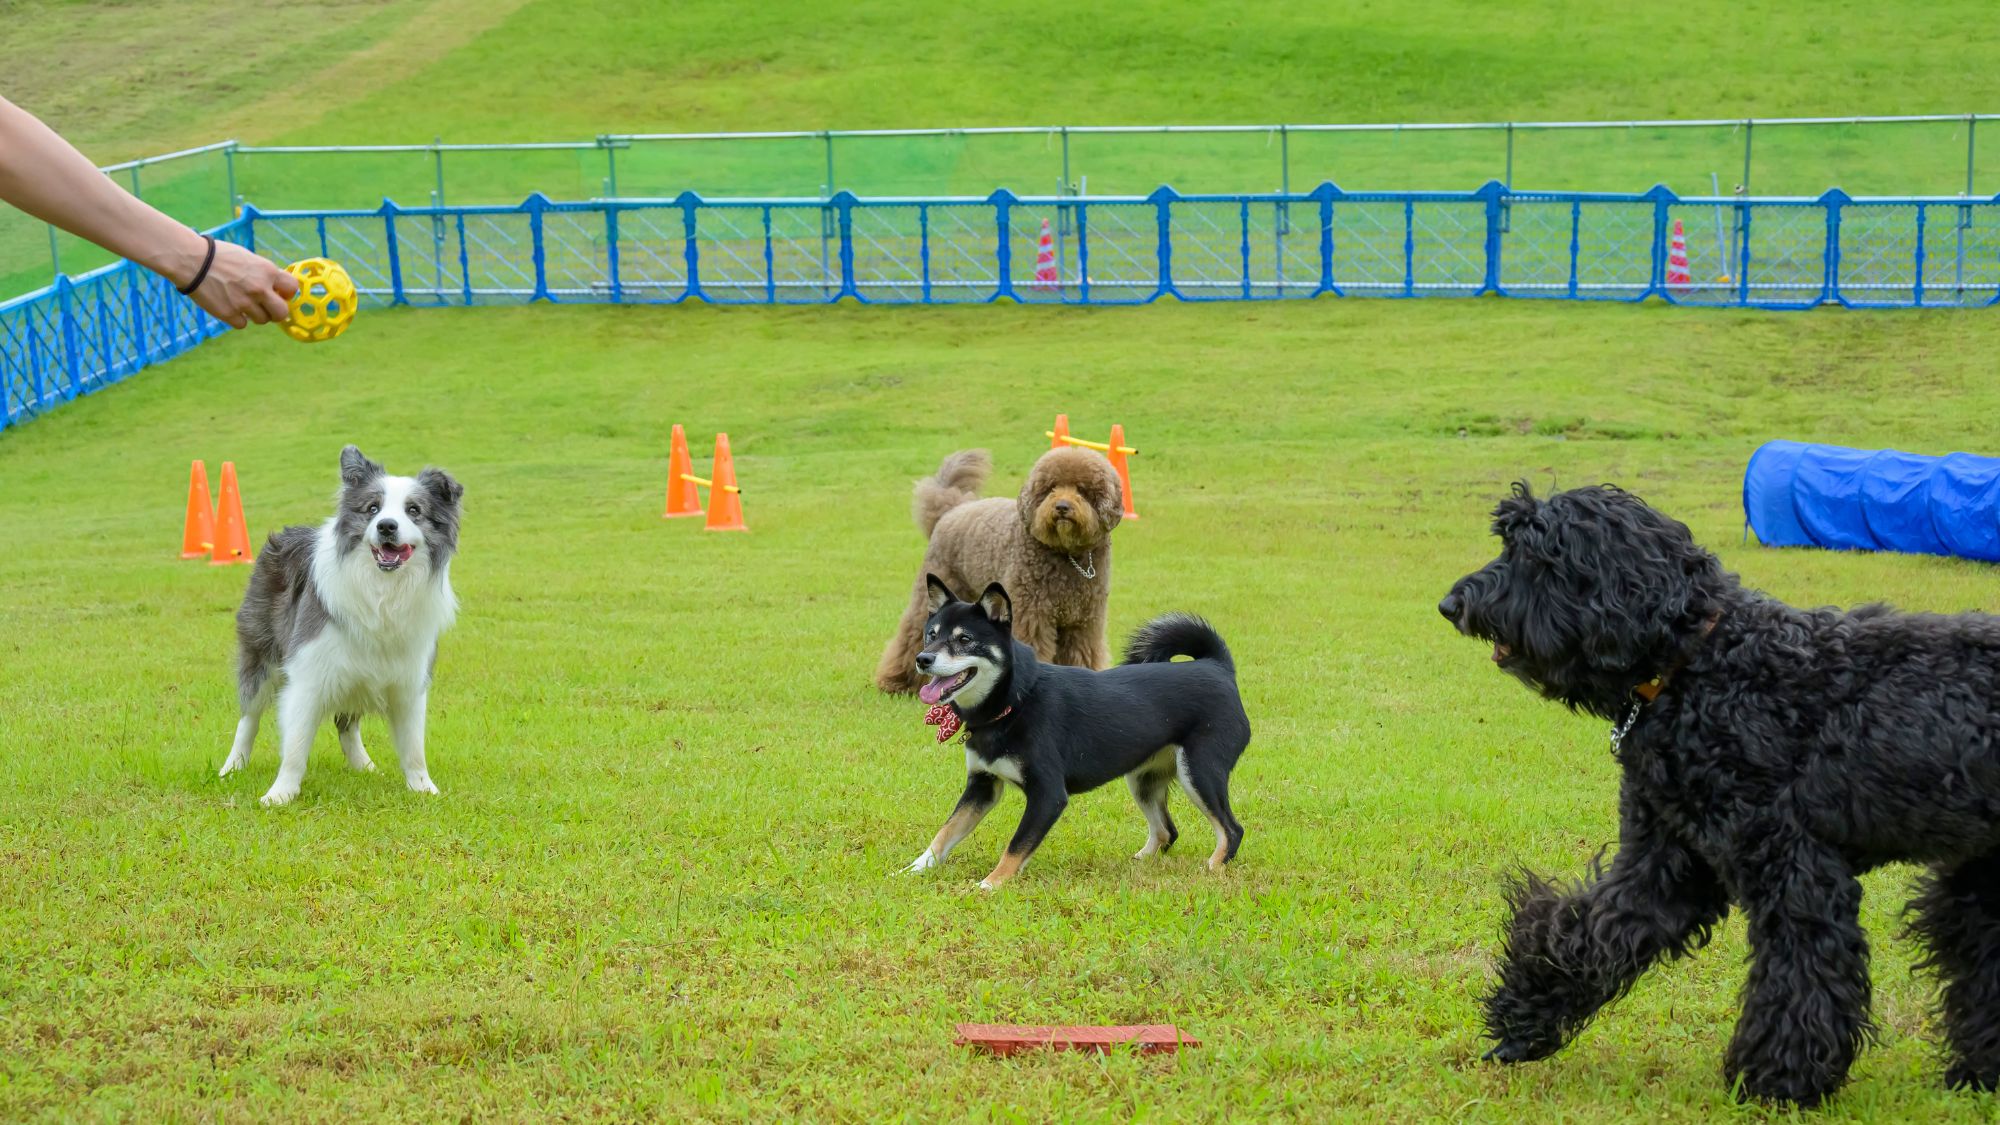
x=324, y=304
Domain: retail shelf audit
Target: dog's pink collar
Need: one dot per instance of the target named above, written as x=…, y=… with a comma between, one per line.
x=948, y=721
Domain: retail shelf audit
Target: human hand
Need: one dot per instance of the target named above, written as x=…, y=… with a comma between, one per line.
x=240, y=288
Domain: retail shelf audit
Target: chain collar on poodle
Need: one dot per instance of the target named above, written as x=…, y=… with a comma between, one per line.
x=1088, y=567
x=1651, y=689
x=948, y=721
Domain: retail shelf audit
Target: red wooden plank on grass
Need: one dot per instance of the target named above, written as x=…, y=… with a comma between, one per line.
x=1011, y=1038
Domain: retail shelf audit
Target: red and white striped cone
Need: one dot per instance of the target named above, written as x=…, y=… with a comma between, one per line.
x=1045, y=261
x=1679, y=276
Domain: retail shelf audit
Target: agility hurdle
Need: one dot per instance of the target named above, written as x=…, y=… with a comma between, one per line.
x=725, y=499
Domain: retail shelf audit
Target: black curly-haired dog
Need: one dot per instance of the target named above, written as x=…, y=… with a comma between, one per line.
x=1770, y=756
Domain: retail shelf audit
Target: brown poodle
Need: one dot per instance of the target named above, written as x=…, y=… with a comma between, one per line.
x=1050, y=547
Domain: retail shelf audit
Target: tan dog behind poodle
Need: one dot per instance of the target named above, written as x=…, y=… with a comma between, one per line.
x=1050, y=547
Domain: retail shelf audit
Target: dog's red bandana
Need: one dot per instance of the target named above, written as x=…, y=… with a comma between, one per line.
x=946, y=719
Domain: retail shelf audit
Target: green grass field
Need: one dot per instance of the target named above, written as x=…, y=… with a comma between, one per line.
x=662, y=877
x=662, y=880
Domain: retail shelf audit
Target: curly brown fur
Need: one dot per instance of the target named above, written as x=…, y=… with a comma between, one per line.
x=1033, y=545
x=1776, y=755
x=957, y=482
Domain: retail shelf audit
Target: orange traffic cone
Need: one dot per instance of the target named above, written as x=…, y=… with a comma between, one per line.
x=725, y=500
x=232, y=538
x=1119, y=450
x=198, y=532
x=1045, y=261
x=1061, y=431
x=1679, y=276
x=682, y=499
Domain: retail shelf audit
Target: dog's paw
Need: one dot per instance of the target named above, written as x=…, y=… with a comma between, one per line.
x=988, y=884
x=365, y=764
x=420, y=783
x=1516, y=1051
x=230, y=765
x=278, y=795
x=923, y=862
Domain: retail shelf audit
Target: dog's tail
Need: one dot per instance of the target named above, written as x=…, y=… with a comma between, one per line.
x=1177, y=634
x=956, y=482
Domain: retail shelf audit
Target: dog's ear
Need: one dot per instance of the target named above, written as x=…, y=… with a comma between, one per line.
x=998, y=608
x=441, y=486
x=1519, y=514
x=936, y=594
x=356, y=470
x=1109, y=500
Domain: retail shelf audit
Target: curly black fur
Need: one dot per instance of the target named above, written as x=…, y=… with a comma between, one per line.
x=1787, y=752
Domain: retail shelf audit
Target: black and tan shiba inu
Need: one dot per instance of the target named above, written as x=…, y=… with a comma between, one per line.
x=1054, y=730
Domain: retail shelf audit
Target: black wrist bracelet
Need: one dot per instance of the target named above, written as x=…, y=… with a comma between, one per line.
x=201, y=274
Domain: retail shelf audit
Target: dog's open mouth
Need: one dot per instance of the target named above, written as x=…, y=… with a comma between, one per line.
x=942, y=688
x=389, y=558
x=1500, y=652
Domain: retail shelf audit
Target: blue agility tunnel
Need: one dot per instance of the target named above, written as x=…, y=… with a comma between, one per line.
x=1799, y=495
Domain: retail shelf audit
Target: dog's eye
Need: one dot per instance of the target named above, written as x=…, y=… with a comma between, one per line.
x=373, y=507
x=412, y=509
x=931, y=634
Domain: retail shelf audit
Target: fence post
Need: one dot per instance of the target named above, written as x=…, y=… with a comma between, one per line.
x=534, y=205
x=106, y=358
x=1743, y=251
x=1083, y=249
x=1163, y=199
x=770, y=261
x=1656, y=271
x=843, y=204
x=1917, y=262
x=388, y=213
x=464, y=264
x=437, y=162
x=1490, y=194
x=1749, y=127
x=1324, y=195
x=229, y=170
x=72, y=357
x=923, y=246
x=1243, y=248
x=1003, y=206
x=142, y=352
x=610, y=148
x=1409, y=246
x=611, y=251
x=1833, y=201
x=687, y=201
x=1971, y=127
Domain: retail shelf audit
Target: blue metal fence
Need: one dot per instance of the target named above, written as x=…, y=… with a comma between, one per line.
x=1768, y=253
x=1772, y=253
x=87, y=332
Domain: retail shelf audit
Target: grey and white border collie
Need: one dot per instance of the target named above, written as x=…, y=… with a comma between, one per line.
x=344, y=618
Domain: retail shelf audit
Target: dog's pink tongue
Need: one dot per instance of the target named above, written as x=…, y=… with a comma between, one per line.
x=933, y=691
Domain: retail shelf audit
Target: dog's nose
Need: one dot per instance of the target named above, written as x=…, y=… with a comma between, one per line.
x=1450, y=607
x=925, y=660
x=387, y=528
x=1064, y=507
